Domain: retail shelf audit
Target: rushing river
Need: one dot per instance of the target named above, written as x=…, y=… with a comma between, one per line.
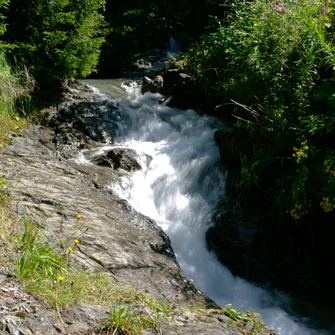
x=179, y=188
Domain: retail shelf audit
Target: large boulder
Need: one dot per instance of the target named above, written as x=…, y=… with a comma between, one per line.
x=93, y=119
x=234, y=238
x=173, y=83
x=119, y=158
x=155, y=85
x=169, y=82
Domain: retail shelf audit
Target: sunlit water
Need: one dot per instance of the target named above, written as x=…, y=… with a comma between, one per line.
x=179, y=186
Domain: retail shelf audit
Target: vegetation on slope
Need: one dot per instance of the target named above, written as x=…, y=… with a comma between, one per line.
x=15, y=88
x=272, y=68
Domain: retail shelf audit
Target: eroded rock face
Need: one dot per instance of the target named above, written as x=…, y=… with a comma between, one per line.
x=253, y=247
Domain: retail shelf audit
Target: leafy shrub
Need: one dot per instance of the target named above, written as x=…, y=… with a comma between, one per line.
x=275, y=60
x=55, y=39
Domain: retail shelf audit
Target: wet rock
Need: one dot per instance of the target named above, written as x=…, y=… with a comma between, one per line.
x=143, y=64
x=233, y=238
x=146, y=80
x=153, y=86
x=177, y=86
x=75, y=90
x=84, y=121
x=119, y=158
x=172, y=83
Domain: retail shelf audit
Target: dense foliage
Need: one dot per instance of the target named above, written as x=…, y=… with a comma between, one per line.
x=272, y=68
x=55, y=39
x=63, y=38
x=15, y=85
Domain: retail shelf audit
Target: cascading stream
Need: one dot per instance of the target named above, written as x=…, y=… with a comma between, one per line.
x=179, y=186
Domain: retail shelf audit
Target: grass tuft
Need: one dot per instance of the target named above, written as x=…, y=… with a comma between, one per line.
x=9, y=124
x=15, y=88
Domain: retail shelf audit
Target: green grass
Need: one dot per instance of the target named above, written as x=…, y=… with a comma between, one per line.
x=242, y=319
x=38, y=260
x=128, y=320
x=46, y=274
x=15, y=88
x=8, y=87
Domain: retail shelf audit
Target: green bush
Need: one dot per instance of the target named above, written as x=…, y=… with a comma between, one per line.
x=272, y=67
x=55, y=39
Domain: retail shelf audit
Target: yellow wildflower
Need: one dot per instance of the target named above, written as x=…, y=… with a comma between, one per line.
x=79, y=216
x=299, y=153
x=298, y=212
x=60, y=278
x=326, y=205
x=69, y=249
x=76, y=242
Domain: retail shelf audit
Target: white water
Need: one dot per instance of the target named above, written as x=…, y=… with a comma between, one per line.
x=179, y=188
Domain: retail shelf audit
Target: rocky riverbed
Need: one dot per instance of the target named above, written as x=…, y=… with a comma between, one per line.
x=48, y=185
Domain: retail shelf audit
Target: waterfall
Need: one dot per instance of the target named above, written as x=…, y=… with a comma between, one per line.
x=174, y=48
x=179, y=187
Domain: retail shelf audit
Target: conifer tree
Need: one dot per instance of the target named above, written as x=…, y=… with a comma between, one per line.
x=56, y=39
x=3, y=6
